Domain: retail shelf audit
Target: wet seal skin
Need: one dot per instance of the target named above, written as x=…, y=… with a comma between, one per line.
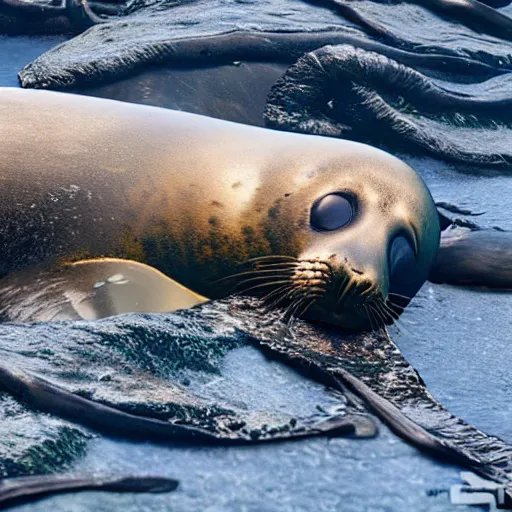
x=47, y=397
x=335, y=231
x=370, y=369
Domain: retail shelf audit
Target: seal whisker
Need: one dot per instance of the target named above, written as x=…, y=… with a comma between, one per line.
x=304, y=310
x=341, y=287
x=382, y=315
x=305, y=302
x=281, y=289
x=394, y=316
x=400, y=325
x=292, y=307
x=377, y=317
x=399, y=296
x=393, y=319
x=388, y=309
x=392, y=312
x=292, y=290
x=348, y=287
x=372, y=309
x=369, y=317
x=388, y=318
x=376, y=322
x=283, y=280
x=395, y=304
x=272, y=257
x=290, y=312
x=307, y=294
x=273, y=283
x=284, y=265
x=398, y=301
x=287, y=314
x=247, y=273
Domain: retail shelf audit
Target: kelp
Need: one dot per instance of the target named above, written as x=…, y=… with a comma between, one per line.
x=342, y=91
x=161, y=377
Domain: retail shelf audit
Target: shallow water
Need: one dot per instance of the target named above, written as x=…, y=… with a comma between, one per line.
x=16, y=52
x=458, y=339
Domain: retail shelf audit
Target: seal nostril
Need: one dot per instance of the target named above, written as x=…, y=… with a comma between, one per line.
x=402, y=268
x=357, y=271
x=365, y=288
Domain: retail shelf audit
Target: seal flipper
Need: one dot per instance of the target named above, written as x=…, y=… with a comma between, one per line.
x=470, y=255
x=89, y=290
x=474, y=258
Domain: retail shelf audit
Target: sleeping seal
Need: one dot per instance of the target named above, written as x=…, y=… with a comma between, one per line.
x=333, y=230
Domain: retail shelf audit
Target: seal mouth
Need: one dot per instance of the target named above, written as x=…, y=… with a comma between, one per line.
x=285, y=282
x=312, y=289
x=359, y=304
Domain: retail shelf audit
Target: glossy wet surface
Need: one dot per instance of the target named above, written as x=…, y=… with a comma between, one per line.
x=459, y=341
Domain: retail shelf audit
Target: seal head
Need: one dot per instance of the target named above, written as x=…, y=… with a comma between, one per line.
x=367, y=232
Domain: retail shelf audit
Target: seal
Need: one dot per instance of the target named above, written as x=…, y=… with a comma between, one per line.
x=332, y=230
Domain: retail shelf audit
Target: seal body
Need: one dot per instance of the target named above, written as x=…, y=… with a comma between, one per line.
x=197, y=198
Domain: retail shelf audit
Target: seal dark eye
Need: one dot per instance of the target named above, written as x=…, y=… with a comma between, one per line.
x=331, y=212
x=402, y=268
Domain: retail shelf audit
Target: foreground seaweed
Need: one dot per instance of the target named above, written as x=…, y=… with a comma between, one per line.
x=154, y=377
x=149, y=376
x=152, y=368
x=372, y=367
